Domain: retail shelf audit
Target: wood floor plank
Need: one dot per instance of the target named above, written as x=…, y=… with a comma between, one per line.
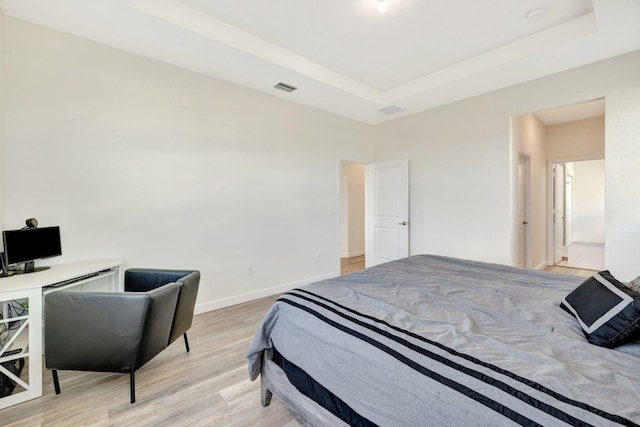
x=352, y=264
x=570, y=270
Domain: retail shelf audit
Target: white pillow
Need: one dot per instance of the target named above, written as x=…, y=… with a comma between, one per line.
x=608, y=311
x=634, y=285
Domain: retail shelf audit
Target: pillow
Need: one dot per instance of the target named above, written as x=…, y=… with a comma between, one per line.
x=607, y=310
x=634, y=285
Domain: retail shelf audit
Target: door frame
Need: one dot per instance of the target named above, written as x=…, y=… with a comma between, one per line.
x=568, y=209
x=528, y=202
x=558, y=182
x=550, y=163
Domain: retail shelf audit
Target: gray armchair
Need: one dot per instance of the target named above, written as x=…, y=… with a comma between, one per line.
x=107, y=332
x=145, y=279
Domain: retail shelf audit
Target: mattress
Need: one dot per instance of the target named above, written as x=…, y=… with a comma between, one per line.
x=431, y=340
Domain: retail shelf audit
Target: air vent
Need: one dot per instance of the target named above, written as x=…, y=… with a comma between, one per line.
x=391, y=109
x=285, y=87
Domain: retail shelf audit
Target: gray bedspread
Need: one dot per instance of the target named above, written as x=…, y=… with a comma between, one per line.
x=431, y=340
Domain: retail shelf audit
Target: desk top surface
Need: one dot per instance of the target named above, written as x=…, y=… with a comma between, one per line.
x=55, y=274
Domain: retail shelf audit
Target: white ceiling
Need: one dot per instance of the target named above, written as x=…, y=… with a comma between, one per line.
x=345, y=56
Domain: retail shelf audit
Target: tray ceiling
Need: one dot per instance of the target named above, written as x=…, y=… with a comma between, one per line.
x=345, y=56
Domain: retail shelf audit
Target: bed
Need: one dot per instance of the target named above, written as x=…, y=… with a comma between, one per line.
x=432, y=340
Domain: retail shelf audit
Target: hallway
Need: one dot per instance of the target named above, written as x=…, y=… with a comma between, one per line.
x=584, y=255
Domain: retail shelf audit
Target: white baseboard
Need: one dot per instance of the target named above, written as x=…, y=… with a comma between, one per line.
x=587, y=243
x=351, y=254
x=249, y=296
x=541, y=266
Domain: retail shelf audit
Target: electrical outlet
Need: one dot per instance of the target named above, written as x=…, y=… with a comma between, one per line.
x=250, y=270
x=318, y=259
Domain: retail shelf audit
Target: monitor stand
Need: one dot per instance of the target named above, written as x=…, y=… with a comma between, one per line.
x=29, y=267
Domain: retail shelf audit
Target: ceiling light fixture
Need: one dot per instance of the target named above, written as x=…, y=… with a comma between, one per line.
x=382, y=5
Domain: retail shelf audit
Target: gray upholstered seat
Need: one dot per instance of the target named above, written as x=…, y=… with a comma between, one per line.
x=107, y=331
x=145, y=279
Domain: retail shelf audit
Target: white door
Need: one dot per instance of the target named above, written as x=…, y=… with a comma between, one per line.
x=521, y=211
x=568, y=211
x=558, y=213
x=388, y=212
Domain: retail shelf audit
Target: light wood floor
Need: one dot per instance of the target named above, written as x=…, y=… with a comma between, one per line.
x=208, y=386
x=349, y=265
x=570, y=270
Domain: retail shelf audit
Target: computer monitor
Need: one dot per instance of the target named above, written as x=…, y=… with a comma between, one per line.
x=30, y=244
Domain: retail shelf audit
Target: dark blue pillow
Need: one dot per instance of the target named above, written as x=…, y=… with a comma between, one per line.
x=607, y=310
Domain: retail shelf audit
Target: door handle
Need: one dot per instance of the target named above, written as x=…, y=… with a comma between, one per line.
x=402, y=223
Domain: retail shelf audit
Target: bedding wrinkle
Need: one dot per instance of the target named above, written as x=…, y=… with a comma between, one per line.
x=451, y=343
x=261, y=341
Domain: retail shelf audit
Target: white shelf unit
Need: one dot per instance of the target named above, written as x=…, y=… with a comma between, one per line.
x=103, y=275
x=29, y=383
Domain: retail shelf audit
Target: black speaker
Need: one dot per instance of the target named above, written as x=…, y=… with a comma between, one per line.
x=7, y=384
x=3, y=266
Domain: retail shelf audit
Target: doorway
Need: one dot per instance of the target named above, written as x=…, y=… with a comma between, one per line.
x=578, y=214
x=551, y=139
x=352, y=216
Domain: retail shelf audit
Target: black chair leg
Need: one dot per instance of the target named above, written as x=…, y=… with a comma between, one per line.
x=56, y=383
x=133, y=386
x=186, y=342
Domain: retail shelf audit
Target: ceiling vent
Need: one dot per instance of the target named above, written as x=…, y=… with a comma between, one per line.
x=285, y=87
x=391, y=109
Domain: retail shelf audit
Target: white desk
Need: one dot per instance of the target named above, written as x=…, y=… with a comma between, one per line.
x=30, y=288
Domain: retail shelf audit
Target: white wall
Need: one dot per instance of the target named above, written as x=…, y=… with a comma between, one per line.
x=463, y=163
x=532, y=135
x=622, y=181
x=588, y=198
x=344, y=209
x=459, y=186
x=577, y=140
x=2, y=132
x=164, y=167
